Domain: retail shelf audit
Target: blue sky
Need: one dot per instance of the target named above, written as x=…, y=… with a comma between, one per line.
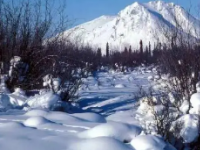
x=81, y=11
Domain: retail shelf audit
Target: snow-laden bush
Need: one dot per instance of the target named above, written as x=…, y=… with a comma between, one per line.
x=12, y=100
x=3, y=86
x=65, y=89
x=48, y=100
x=18, y=97
x=188, y=128
x=167, y=115
x=17, y=72
x=5, y=102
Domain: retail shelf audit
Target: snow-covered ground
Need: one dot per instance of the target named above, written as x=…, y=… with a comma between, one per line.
x=112, y=118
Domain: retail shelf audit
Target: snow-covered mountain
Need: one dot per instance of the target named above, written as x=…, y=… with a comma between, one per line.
x=140, y=21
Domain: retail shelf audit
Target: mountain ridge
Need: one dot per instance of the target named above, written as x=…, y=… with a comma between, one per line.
x=138, y=21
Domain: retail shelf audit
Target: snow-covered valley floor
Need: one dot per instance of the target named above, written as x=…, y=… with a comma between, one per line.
x=110, y=120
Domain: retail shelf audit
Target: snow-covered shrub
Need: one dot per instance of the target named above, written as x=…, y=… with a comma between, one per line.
x=168, y=113
x=182, y=63
x=3, y=85
x=160, y=110
x=47, y=101
x=17, y=72
x=65, y=89
x=188, y=128
x=18, y=97
x=53, y=84
x=5, y=102
x=36, y=51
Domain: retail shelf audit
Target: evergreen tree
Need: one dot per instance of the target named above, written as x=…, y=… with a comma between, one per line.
x=141, y=50
x=130, y=50
x=99, y=54
x=130, y=56
x=159, y=46
x=141, y=47
x=125, y=50
x=107, y=50
x=149, y=48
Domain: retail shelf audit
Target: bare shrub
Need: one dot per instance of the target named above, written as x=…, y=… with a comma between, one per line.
x=33, y=32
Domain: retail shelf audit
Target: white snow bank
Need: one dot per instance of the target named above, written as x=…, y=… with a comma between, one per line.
x=36, y=112
x=12, y=125
x=120, y=131
x=119, y=86
x=92, y=117
x=150, y=142
x=124, y=117
x=36, y=121
x=61, y=116
x=100, y=143
x=16, y=136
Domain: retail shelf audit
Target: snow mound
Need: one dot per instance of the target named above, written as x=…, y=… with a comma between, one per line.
x=122, y=132
x=46, y=101
x=36, y=121
x=61, y=116
x=35, y=113
x=150, y=142
x=119, y=86
x=12, y=125
x=101, y=143
x=92, y=117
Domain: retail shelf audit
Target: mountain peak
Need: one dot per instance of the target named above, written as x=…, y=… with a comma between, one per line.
x=138, y=21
